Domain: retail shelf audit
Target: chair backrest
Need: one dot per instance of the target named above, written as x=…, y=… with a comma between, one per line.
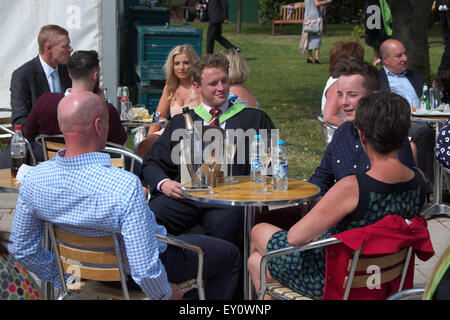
x=390, y=267
x=327, y=129
x=295, y=14
x=51, y=144
x=124, y=153
x=97, y=252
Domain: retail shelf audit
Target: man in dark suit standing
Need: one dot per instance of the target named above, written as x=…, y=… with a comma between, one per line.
x=45, y=73
x=395, y=76
x=218, y=14
x=444, y=18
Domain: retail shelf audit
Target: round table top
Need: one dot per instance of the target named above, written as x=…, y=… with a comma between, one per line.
x=7, y=182
x=136, y=123
x=429, y=118
x=245, y=193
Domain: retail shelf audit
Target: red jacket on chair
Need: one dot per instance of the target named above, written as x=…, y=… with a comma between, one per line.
x=386, y=236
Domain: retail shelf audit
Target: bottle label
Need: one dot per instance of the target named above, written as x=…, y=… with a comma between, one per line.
x=281, y=171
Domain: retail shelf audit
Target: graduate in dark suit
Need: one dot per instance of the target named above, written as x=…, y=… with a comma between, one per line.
x=163, y=176
x=34, y=78
x=45, y=73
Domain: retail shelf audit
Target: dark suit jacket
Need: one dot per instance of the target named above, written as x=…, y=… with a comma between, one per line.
x=28, y=83
x=416, y=79
x=158, y=164
x=217, y=11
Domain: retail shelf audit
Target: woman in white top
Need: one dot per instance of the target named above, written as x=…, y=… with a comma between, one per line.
x=330, y=109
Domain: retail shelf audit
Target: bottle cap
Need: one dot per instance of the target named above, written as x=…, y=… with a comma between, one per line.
x=257, y=136
x=185, y=109
x=18, y=127
x=281, y=143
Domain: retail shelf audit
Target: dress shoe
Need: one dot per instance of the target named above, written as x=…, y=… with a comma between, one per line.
x=317, y=61
x=309, y=60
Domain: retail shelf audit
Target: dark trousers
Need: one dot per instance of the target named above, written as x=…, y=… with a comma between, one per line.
x=221, y=266
x=215, y=33
x=423, y=136
x=444, y=21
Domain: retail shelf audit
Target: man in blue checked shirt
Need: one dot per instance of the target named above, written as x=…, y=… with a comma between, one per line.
x=82, y=193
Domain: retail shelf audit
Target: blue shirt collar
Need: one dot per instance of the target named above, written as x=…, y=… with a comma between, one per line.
x=390, y=74
x=82, y=161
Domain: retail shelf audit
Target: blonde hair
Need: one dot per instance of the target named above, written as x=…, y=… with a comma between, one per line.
x=172, y=81
x=238, y=71
x=50, y=33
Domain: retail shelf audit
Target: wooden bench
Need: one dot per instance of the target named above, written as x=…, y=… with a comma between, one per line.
x=293, y=16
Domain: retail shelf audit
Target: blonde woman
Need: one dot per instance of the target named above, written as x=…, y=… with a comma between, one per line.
x=237, y=75
x=178, y=91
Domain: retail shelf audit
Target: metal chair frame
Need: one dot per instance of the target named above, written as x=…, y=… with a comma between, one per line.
x=185, y=286
x=314, y=245
x=324, y=126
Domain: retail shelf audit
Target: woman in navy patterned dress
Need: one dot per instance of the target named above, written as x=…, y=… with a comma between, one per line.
x=388, y=187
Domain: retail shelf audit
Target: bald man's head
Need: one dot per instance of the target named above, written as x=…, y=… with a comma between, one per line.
x=78, y=111
x=394, y=56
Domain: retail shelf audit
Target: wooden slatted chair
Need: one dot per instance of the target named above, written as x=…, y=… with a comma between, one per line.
x=327, y=129
x=391, y=267
x=95, y=259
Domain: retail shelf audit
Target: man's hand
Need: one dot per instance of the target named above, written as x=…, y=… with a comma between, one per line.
x=225, y=21
x=177, y=294
x=172, y=189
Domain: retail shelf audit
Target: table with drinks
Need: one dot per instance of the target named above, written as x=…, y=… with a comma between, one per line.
x=431, y=110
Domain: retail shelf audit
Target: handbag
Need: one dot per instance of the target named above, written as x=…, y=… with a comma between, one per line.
x=312, y=25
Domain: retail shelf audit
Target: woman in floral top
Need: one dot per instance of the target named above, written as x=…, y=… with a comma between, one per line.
x=15, y=282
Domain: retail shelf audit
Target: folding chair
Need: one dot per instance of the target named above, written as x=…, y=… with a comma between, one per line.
x=96, y=259
x=327, y=129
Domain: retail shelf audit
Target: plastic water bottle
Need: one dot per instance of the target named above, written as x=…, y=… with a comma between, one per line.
x=18, y=150
x=280, y=167
x=255, y=163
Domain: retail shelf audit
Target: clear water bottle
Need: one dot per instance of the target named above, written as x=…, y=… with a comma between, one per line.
x=18, y=150
x=280, y=167
x=255, y=163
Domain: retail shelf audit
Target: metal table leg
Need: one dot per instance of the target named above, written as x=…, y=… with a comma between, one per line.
x=249, y=220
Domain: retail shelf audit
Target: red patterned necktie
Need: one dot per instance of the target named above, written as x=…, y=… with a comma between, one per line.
x=215, y=112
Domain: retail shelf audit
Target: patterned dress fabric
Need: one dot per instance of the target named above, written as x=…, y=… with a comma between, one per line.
x=442, y=147
x=304, y=272
x=15, y=282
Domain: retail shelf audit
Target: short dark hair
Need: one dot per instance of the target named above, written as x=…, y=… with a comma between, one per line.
x=82, y=63
x=384, y=118
x=351, y=66
x=215, y=60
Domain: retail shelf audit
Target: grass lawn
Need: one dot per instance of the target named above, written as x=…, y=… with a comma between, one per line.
x=289, y=89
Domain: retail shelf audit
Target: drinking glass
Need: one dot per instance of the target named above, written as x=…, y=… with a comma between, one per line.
x=414, y=104
x=230, y=150
x=211, y=158
x=265, y=158
x=119, y=94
